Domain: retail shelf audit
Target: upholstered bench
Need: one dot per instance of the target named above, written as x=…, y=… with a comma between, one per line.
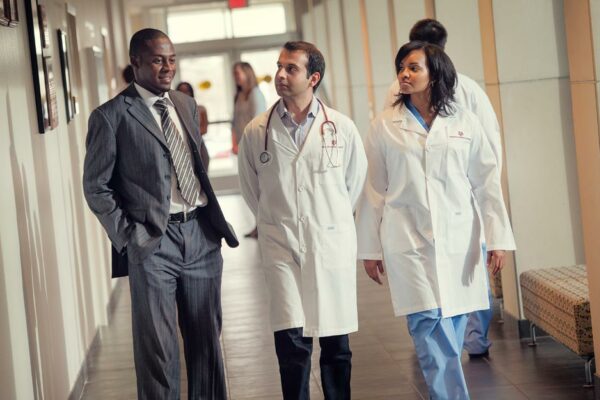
x=557, y=300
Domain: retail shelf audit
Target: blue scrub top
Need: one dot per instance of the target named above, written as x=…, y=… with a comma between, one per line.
x=415, y=112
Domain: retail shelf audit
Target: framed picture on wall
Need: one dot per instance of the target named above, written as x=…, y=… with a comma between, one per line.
x=13, y=12
x=63, y=51
x=4, y=14
x=9, y=13
x=41, y=64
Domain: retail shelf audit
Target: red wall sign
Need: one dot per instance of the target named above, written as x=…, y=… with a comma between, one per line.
x=238, y=3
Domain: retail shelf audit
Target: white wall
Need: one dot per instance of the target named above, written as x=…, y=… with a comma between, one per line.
x=540, y=154
x=54, y=260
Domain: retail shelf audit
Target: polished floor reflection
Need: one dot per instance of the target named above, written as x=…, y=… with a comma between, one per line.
x=384, y=363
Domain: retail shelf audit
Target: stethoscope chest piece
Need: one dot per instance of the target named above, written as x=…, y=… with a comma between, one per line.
x=265, y=157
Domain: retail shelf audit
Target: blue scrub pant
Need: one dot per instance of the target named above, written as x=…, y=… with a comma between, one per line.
x=476, y=334
x=439, y=342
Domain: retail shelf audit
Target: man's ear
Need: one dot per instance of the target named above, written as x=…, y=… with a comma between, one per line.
x=135, y=61
x=315, y=78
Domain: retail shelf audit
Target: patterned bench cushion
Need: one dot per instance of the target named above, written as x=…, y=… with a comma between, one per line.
x=557, y=300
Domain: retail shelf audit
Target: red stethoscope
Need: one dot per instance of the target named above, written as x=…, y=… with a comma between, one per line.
x=329, y=125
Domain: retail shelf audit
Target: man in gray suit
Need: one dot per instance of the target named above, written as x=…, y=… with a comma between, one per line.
x=144, y=180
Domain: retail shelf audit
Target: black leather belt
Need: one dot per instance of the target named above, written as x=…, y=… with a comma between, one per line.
x=183, y=216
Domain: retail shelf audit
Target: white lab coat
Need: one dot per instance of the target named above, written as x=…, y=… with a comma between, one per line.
x=306, y=233
x=424, y=200
x=471, y=96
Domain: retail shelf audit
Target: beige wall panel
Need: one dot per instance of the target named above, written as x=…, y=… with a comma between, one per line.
x=530, y=39
x=343, y=100
x=585, y=100
x=360, y=105
x=541, y=168
x=461, y=19
x=382, y=61
x=353, y=35
x=358, y=74
x=579, y=40
x=406, y=13
x=321, y=40
x=307, y=28
x=510, y=286
x=337, y=70
x=595, y=18
x=488, y=40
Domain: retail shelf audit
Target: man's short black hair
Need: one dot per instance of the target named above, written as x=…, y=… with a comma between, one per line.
x=430, y=31
x=137, y=44
x=316, y=62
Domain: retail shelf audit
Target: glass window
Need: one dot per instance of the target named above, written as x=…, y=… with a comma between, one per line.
x=250, y=21
x=198, y=25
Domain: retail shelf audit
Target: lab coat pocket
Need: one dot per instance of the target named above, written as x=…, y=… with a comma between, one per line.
x=461, y=232
x=338, y=246
x=458, y=155
x=330, y=177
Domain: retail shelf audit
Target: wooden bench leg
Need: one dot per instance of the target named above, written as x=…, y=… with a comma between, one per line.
x=533, y=341
x=588, y=373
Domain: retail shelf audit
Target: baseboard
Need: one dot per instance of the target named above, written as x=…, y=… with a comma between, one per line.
x=77, y=390
x=523, y=326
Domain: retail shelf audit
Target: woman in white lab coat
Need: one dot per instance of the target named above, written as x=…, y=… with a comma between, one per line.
x=431, y=200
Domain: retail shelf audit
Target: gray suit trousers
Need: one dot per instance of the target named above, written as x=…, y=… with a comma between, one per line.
x=179, y=281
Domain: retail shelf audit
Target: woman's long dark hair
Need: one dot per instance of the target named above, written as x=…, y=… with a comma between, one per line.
x=442, y=76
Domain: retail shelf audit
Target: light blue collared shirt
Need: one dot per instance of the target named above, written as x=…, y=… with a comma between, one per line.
x=299, y=131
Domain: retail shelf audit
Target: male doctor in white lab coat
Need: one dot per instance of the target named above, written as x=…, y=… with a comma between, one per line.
x=302, y=166
x=471, y=96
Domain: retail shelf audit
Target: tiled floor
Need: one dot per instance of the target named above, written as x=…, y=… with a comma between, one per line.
x=384, y=363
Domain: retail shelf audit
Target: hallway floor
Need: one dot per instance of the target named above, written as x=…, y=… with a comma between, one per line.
x=384, y=362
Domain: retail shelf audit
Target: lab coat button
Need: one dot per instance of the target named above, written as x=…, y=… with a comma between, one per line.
x=303, y=249
x=300, y=188
x=302, y=219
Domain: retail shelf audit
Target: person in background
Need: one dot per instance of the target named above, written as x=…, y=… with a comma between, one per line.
x=432, y=187
x=248, y=103
x=186, y=87
x=470, y=95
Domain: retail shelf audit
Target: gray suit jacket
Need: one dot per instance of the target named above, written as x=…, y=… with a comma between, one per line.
x=127, y=175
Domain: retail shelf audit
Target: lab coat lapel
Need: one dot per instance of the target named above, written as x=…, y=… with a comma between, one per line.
x=313, y=137
x=280, y=138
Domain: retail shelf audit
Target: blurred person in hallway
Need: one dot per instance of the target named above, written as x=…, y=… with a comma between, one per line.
x=471, y=96
x=248, y=103
x=432, y=188
x=302, y=166
x=145, y=182
x=186, y=87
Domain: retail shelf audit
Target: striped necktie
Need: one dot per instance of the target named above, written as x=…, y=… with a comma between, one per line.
x=188, y=184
